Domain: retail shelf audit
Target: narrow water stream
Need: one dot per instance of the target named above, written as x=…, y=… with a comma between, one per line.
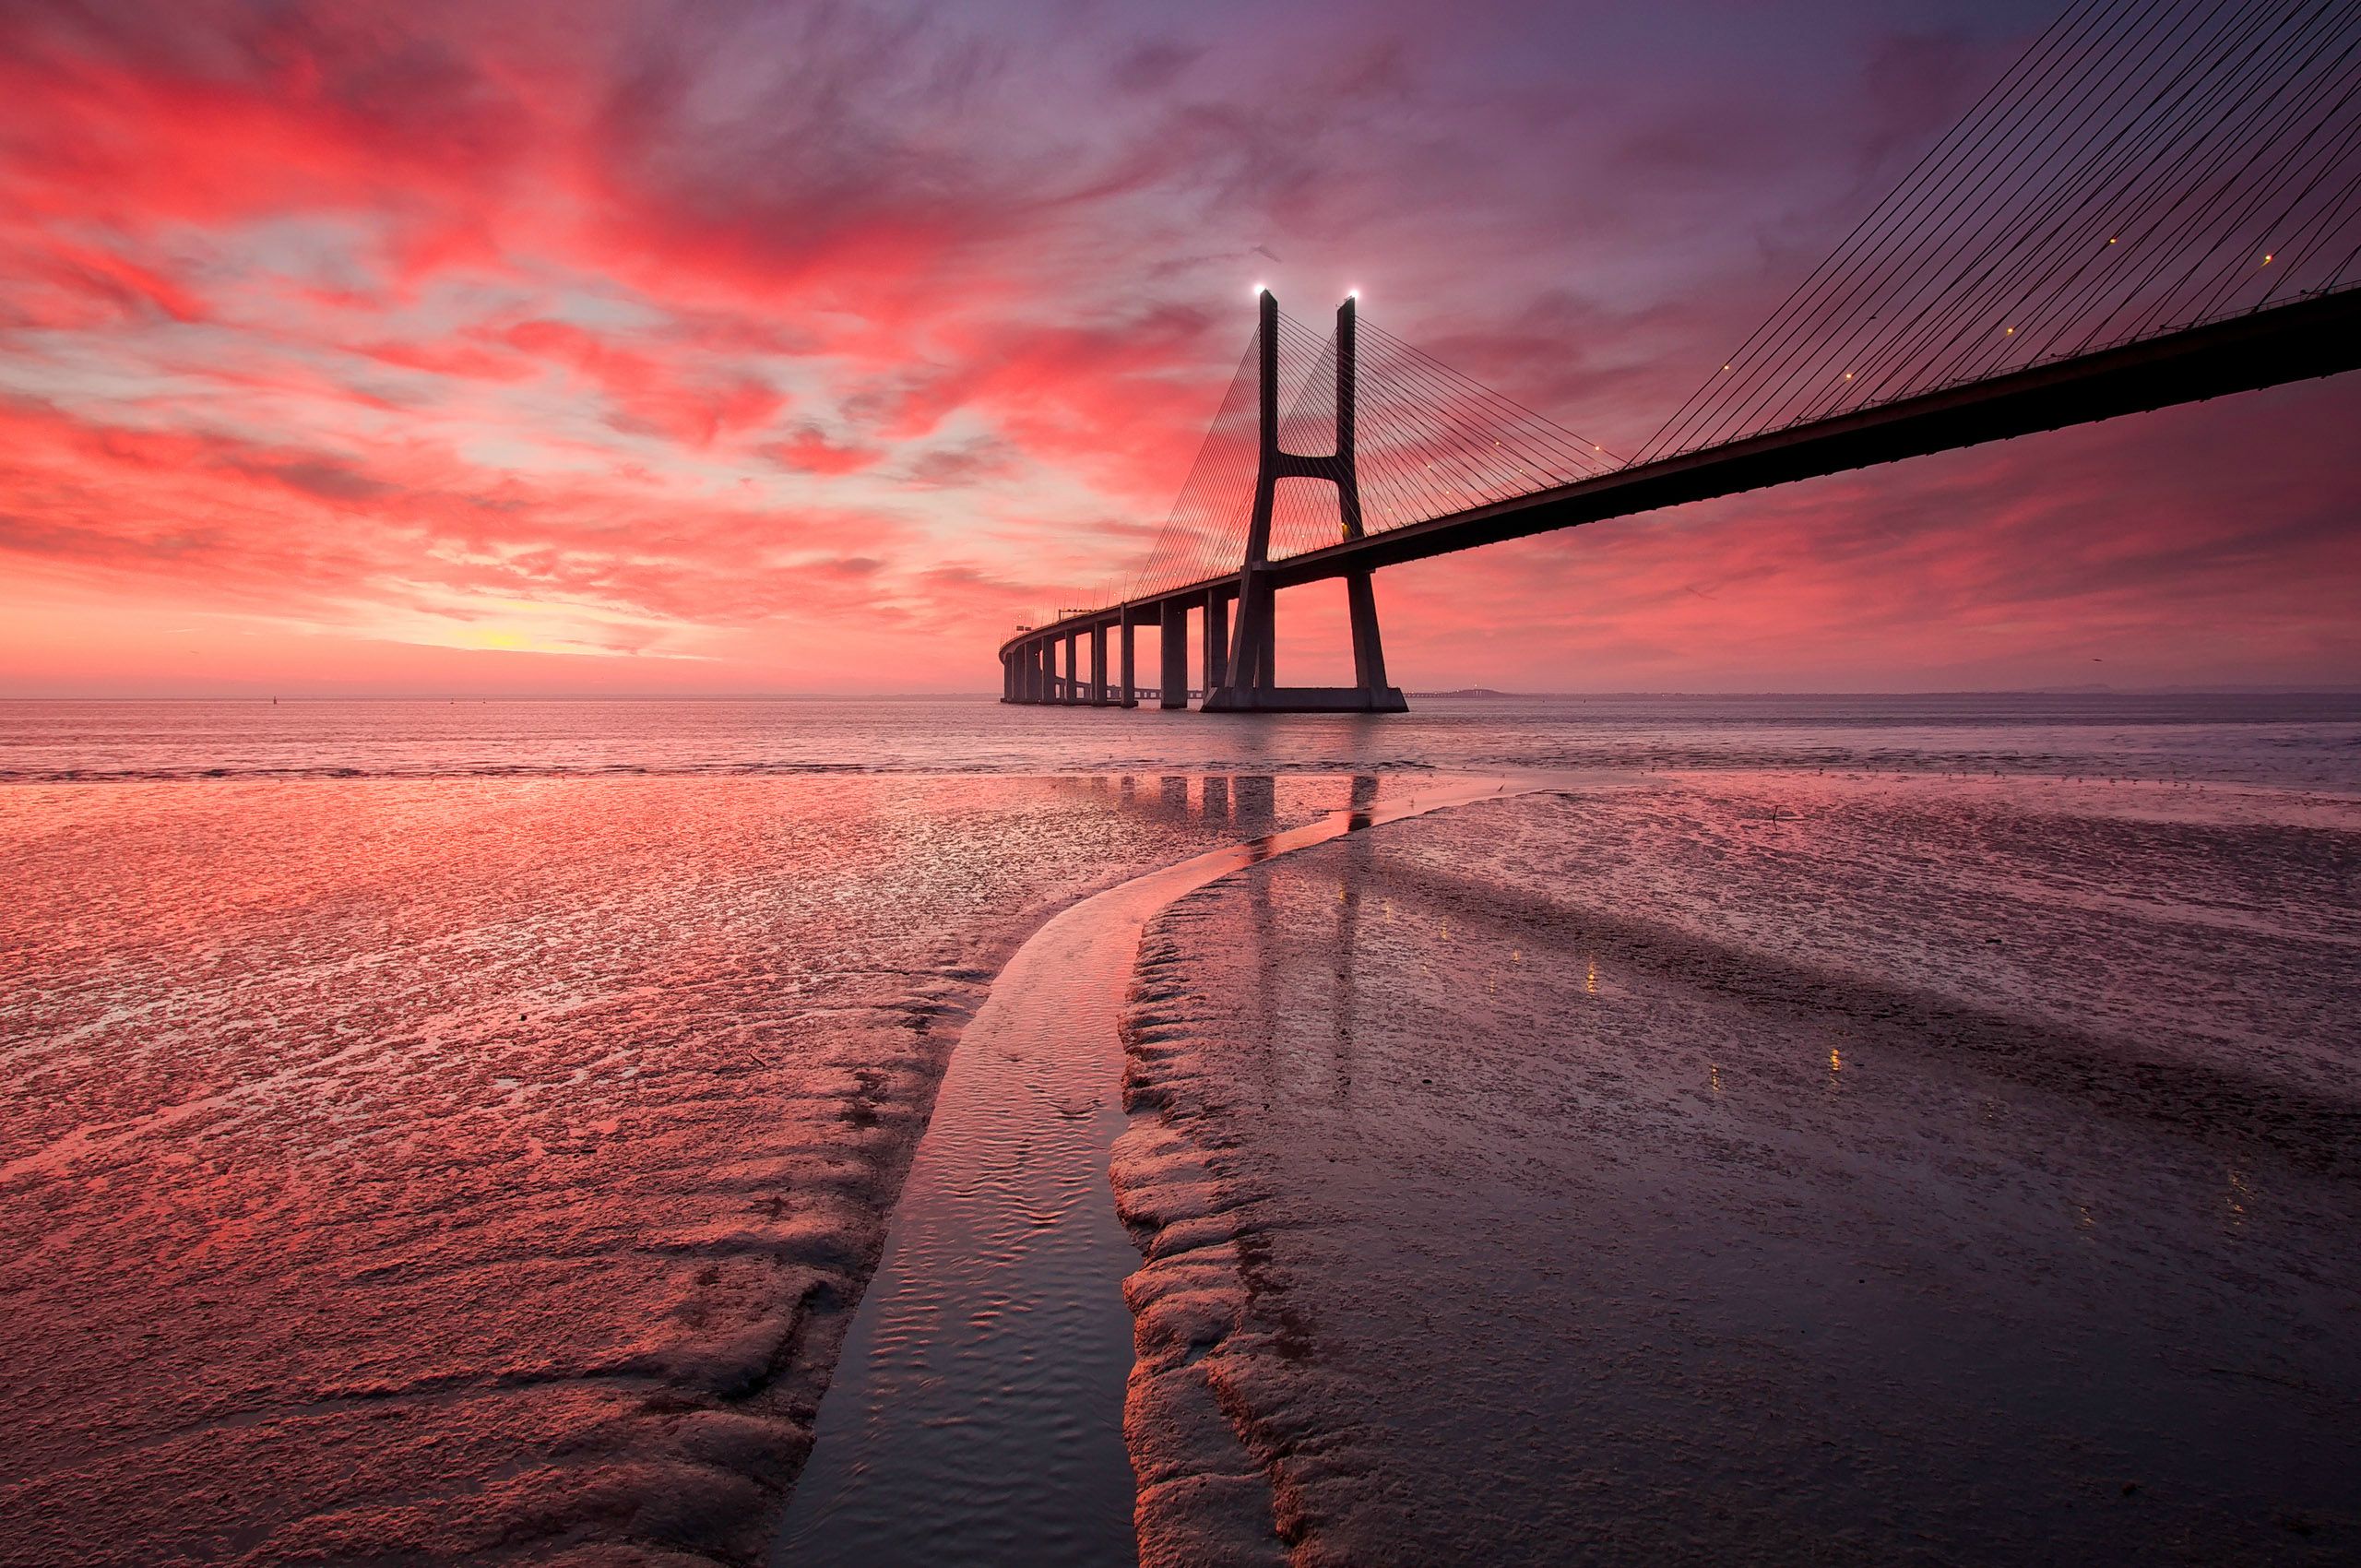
x=977, y=1414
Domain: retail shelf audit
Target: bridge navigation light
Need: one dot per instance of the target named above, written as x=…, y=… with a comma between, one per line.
x=1352, y=294
x=1260, y=289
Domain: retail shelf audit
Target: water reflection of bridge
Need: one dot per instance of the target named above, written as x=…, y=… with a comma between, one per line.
x=2147, y=209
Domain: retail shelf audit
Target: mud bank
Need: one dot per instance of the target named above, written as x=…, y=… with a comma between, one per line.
x=1757, y=1167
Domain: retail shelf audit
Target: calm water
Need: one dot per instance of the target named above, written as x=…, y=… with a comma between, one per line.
x=2306, y=742
x=457, y=1131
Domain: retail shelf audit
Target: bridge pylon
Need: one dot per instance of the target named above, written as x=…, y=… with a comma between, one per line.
x=1252, y=684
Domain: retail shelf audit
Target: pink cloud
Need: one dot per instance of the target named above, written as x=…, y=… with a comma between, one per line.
x=750, y=329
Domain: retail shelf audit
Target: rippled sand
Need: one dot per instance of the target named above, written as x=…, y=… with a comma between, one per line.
x=1760, y=1168
x=397, y=1170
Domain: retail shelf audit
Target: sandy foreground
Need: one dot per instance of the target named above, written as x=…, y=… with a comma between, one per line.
x=482, y=1170
x=1758, y=1168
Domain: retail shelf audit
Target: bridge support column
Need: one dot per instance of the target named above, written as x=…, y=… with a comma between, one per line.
x=1254, y=658
x=1099, y=665
x=1252, y=683
x=1216, y=650
x=1070, y=692
x=1041, y=668
x=1369, y=650
x=1128, y=696
x=1175, y=655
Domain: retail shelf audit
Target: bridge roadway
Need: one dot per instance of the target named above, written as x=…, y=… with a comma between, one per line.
x=2309, y=339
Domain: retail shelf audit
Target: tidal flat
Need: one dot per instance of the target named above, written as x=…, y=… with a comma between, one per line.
x=1886, y=1129
x=467, y=1169
x=1759, y=1167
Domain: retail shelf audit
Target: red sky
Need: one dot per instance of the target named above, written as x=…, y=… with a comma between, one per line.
x=721, y=348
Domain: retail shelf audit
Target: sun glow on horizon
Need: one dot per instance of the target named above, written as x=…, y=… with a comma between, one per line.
x=490, y=366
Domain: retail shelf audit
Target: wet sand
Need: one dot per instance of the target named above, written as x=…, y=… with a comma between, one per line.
x=484, y=1170
x=1758, y=1168
x=979, y=1410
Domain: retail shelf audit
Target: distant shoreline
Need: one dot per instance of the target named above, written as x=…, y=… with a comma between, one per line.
x=1462, y=694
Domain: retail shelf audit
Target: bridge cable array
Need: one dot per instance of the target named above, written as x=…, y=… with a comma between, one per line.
x=2142, y=169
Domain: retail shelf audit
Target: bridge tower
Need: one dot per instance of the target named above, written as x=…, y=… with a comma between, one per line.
x=1251, y=684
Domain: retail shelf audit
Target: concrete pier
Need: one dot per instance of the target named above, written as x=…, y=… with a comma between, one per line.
x=1175, y=655
x=1217, y=648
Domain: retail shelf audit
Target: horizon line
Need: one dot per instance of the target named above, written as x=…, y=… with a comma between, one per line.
x=980, y=696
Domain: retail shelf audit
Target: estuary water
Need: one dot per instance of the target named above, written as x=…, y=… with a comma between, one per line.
x=2300, y=740
x=462, y=1131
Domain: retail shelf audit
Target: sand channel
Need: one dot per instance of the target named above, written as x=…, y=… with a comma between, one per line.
x=978, y=1412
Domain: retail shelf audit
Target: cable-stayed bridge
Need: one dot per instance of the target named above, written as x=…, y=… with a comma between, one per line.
x=2159, y=203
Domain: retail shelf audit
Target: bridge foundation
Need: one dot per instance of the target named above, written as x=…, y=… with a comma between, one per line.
x=1307, y=699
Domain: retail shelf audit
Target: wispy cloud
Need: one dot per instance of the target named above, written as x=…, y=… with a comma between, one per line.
x=720, y=335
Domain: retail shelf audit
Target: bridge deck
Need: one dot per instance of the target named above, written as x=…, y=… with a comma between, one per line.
x=2311, y=338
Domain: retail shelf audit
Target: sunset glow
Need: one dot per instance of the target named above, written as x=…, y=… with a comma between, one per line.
x=348, y=347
